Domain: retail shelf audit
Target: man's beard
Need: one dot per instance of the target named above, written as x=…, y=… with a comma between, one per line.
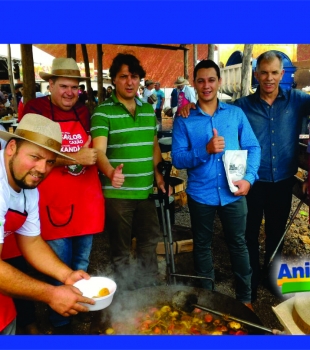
x=21, y=183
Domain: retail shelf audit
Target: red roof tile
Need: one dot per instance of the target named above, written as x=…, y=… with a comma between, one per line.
x=160, y=65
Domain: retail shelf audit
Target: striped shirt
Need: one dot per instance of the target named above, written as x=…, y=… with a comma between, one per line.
x=131, y=142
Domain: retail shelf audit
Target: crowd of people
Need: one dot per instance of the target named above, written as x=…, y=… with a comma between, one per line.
x=58, y=151
x=6, y=101
x=8, y=105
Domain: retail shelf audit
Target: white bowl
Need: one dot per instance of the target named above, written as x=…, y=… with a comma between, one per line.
x=91, y=287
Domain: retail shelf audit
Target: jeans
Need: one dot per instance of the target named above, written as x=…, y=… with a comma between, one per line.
x=233, y=219
x=158, y=114
x=125, y=219
x=74, y=252
x=273, y=201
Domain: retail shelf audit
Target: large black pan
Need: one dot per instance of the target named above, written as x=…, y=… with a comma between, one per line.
x=127, y=302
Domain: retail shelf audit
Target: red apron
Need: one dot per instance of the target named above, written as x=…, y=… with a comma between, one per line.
x=10, y=248
x=182, y=101
x=71, y=195
x=13, y=221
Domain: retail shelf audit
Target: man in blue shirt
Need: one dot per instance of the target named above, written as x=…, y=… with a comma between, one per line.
x=276, y=118
x=198, y=144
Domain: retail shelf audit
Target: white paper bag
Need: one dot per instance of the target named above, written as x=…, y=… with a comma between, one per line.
x=235, y=166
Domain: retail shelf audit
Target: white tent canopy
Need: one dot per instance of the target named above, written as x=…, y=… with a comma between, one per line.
x=39, y=57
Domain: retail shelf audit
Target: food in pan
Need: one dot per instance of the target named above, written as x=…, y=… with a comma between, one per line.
x=167, y=320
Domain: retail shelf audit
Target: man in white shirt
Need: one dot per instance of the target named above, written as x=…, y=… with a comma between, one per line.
x=148, y=91
x=28, y=158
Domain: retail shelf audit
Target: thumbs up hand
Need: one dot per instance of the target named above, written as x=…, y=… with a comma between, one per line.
x=216, y=144
x=86, y=156
x=86, y=145
x=118, y=177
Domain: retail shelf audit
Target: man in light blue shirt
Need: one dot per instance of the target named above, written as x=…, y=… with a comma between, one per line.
x=198, y=144
x=160, y=100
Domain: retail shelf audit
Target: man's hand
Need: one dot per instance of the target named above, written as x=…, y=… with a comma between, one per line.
x=118, y=177
x=66, y=300
x=86, y=156
x=244, y=187
x=69, y=297
x=184, y=111
x=216, y=144
x=161, y=185
x=75, y=276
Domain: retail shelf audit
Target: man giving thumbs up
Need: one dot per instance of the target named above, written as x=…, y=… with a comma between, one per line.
x=198, y=144
x=124, y=132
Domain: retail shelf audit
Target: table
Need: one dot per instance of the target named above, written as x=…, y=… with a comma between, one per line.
x=9, y=123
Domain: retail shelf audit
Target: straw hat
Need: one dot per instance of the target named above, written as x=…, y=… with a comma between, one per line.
x=294, y=314
x=39, y=130
x=181, y=81
x=63, y=67
x=168, y=111
x=153, y=98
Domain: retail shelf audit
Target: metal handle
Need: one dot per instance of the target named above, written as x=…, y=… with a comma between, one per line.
x=197, y=277
x=234, y=318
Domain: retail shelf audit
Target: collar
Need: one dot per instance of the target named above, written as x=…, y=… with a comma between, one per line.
x=116, y=101
x=281, y=93
x=220, y=105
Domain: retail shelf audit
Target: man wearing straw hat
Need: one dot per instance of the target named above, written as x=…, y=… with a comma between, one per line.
x=71, y=200
x=29, y=156
x=147, y=93
x=186, y=94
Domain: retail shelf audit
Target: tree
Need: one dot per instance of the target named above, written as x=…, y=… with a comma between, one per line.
x=88, y=82
x=10, y=74
x=185, y=53
x=71, y=51
x=246, y=69
x=29, y=84
x=99, y=73
x=195, y=54
x=211, y=48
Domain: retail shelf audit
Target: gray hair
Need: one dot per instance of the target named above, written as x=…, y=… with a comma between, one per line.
x=269, y=56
